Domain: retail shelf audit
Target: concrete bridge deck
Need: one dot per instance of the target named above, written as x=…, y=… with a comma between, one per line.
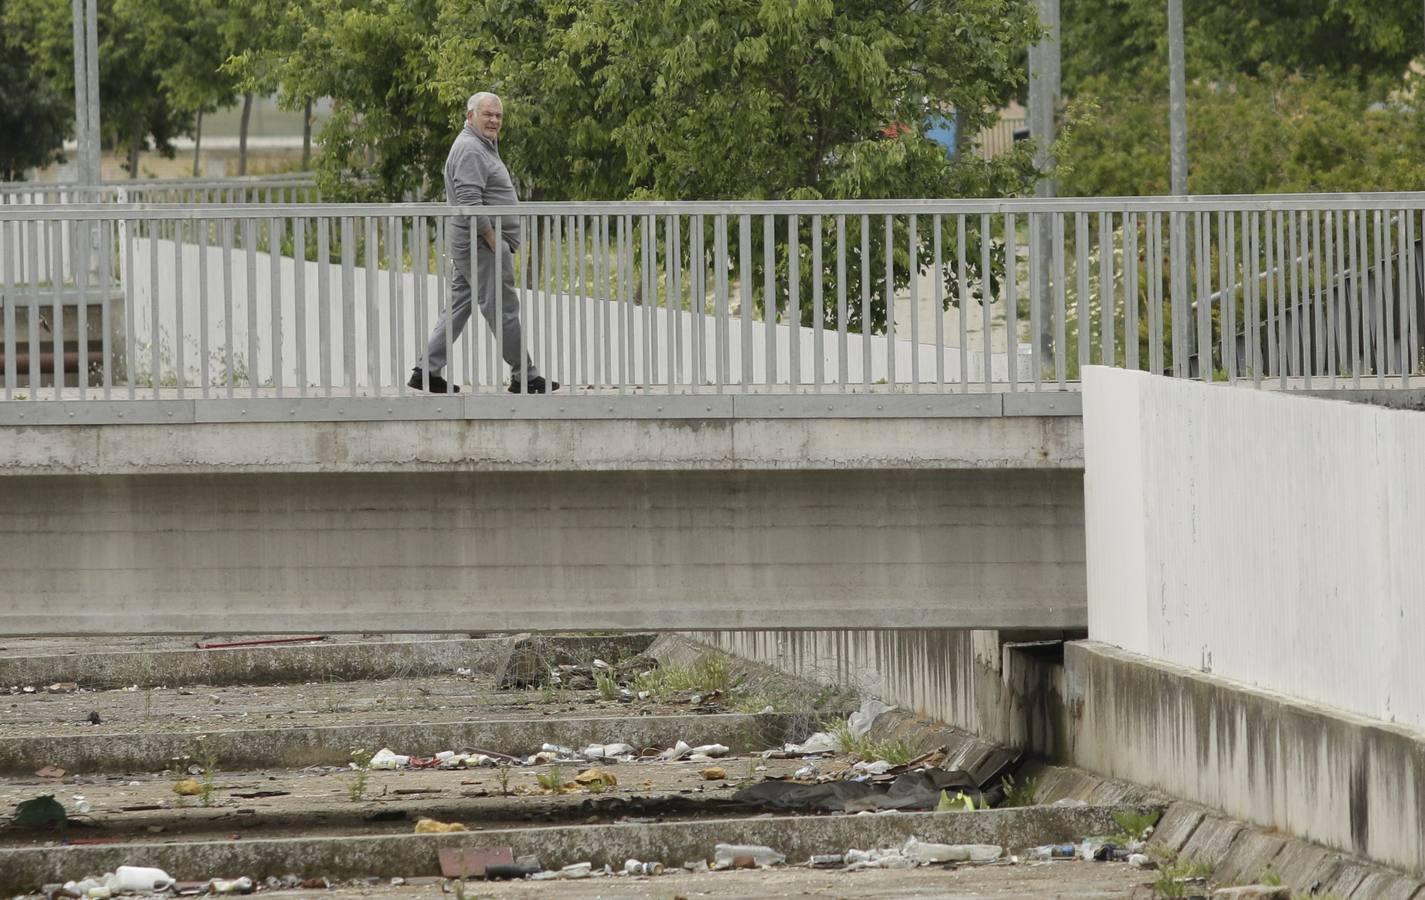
x=603, y=518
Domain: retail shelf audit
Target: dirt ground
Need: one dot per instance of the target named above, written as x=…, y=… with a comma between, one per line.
x=1025, y=881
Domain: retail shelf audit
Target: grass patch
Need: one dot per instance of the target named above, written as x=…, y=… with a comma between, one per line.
x=1176, y=875
x=1133, y=825
x=606, y=686
x=552, y=781
x=896, y=751
x=1023, y=793
x=710, y=673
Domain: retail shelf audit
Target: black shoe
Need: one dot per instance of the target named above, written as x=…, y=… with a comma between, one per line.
x=438, y=385
x=537, y=385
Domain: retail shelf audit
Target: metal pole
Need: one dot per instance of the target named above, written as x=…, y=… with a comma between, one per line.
x=1043, y=104
x=1177, y=99
x=91, y=58
x=81, y=93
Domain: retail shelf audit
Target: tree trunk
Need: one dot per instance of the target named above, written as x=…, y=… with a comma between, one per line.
x=242, y=134
x=307, y=137
x=197, y=143
x=134, y=148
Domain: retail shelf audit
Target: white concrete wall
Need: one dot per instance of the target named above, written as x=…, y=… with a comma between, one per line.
x=568, y=334
x=1266, y=538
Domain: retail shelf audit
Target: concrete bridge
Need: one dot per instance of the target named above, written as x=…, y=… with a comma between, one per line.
x=237, y=451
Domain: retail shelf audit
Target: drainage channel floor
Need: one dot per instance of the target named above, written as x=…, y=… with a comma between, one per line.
x=1032, y=881
x=442, y=698
x=329, y=801
x=270, y=797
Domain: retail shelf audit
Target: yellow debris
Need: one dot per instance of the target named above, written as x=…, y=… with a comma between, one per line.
x=188, y=787
x=592, y=776
x=714, y=773
x=431, y=826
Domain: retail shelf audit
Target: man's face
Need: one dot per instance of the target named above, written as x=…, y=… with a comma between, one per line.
x=488, y=118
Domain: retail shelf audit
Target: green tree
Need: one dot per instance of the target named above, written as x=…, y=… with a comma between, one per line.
x=137, y=113
x=1276, y=133
x=1123, y=39
x=34, y=119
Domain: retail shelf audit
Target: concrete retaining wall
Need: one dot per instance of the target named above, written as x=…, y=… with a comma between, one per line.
x=1337, y=779
x=462, y=551
x=1268, y=538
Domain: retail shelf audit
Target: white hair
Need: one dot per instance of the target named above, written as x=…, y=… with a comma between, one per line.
x=473, y=104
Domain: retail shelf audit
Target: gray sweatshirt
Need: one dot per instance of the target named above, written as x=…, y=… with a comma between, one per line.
x=475, y=176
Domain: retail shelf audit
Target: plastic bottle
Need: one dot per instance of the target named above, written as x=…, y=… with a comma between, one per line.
x=634, y=867
x=139, y=880
x=1053, y=851
x=731, y=855
x=241, y=885
x=923, y=852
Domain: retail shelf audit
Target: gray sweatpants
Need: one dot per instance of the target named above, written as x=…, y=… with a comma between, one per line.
x=502, y=312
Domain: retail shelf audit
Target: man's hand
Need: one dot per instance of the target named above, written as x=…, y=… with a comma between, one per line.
x=489, y=237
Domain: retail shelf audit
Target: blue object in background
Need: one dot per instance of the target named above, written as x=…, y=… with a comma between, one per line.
x=941, y=130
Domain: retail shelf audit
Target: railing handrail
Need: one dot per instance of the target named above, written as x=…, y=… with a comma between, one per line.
x=910, y=206
x=121, y=183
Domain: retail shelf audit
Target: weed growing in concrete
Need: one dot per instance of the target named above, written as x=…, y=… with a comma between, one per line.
x=1023, y=793
x=710, y=673
x=1177, y=875
x=1269, y=877
x=356, y=785
x=552, y=781
x=207, y=757
x=896, y=751
x=503, y=773
x=606, y=685
x=1134, y=824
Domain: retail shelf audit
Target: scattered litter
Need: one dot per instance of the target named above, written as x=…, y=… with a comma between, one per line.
x=713, y=773
x=464, y=672
x=827, y=861
x=879, y=767
x=63, y=687
x=859, y=723
x=385, y=759
x=807, y=771
x=1054, y=851
x=431, y=826
x=745, y=856
x=473, y=862
x=94, y=719
x=596, y=776
x=634, y=867
x=696, y=866
x=81, y=805
x=891, y=858
x=243, y=885
x=676, y=752
x=923, y=852
x=50, y=772
x=138, y=880
x=1141, y=861
x=711, y=750
x=188, y=787
x=521, y=868
x=909, y=790
x=821, y=742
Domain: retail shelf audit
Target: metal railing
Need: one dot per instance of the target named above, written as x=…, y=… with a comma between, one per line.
x=292, y=188
x=129, y=302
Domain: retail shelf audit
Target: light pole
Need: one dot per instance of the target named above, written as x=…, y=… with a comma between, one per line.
x=1044, y=84
x=1177, y=98
x=86, y=89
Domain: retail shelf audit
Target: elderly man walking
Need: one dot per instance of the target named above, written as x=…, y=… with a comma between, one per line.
x=475, y=176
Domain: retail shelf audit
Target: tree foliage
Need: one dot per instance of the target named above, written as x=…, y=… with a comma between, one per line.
x=137, y=111
x=33, y=117
x=1123, y=39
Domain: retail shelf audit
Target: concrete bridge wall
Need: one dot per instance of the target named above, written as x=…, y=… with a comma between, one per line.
x=542, y=524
